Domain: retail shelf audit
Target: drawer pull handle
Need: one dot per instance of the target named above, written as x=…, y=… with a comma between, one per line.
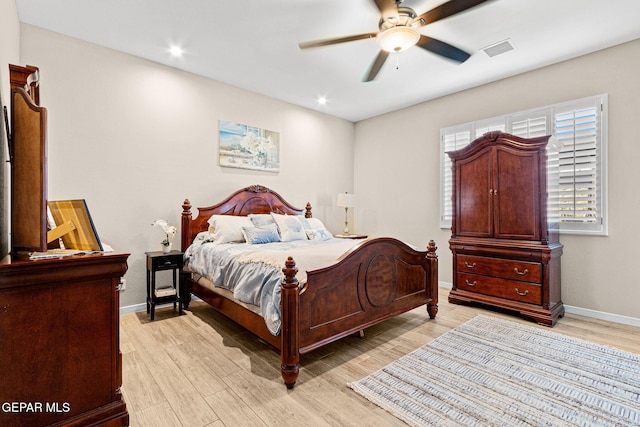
x=522, y=273
x=167, y=263
x=475, y=282
x=470, y=265
x=522, y=294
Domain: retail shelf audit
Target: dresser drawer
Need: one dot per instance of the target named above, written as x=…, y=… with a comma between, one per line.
x=504, y=268
x=502, y=288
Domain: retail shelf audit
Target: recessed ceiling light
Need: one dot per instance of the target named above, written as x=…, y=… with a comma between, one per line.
x=175, y=51
x=322, y=100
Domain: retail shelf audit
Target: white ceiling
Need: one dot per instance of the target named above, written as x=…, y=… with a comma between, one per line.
x=253, y=44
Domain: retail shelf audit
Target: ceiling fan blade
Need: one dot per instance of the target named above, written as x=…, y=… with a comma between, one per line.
x=443, y=49
x=446, y=10
x=376, y=66
x=327, y=42
x=388, y=9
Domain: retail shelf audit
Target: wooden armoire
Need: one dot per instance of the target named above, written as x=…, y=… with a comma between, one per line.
x=506, y=254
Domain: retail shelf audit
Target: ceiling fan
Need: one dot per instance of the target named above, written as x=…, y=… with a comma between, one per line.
x=399, y=30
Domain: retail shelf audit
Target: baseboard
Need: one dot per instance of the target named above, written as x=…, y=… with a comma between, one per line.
x=601, y=315
x=143, y=307
x=594, y=314
x=446, y=285
x=133, y=308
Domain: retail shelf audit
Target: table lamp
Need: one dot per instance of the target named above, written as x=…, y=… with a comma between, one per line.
x=346, y=201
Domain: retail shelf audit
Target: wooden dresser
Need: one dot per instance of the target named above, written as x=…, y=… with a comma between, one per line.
x=505, y=253
x=60, y=361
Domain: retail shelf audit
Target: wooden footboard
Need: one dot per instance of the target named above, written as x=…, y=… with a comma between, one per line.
x=374, y=281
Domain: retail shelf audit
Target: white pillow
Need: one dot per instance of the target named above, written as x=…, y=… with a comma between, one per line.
x=289, y=227
x=261, y=220
x=228, y=228
x=315, y=224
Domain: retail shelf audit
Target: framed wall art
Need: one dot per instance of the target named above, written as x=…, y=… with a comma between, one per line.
x=248, y=147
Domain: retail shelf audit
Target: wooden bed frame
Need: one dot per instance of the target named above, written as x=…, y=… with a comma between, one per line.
x=376, y=280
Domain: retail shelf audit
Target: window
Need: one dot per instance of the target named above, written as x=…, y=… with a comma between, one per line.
x=578, y=197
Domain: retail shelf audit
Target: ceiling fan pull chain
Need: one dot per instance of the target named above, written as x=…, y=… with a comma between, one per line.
x=397, y=60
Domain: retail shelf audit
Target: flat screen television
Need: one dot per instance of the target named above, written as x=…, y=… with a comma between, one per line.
x=72, y=222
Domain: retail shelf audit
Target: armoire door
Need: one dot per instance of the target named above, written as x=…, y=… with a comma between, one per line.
x=516, y=194
x=474, y=211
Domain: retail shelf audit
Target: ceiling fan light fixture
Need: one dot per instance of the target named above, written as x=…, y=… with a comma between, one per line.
x=397, y=39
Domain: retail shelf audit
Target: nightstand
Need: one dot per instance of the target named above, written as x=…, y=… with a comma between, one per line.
x=351, y=236
x=160, y=261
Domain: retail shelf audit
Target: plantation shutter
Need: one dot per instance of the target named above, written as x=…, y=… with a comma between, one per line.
x=450, y=141
x=530, y=125
x=578, y=130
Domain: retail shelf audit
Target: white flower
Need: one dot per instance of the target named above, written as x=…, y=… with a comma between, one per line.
x=169, y=230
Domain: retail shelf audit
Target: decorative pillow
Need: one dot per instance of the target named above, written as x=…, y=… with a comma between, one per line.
x=318, y=234
x=315, y=224
x=289, y=227
x=260, y=220
x=256, y=235
x=228, y=228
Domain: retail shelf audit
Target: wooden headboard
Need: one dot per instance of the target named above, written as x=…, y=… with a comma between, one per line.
x=255, y=199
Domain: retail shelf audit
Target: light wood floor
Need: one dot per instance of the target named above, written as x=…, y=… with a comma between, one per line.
x=201, y=369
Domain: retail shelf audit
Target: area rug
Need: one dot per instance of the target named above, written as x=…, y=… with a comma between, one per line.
x=494, y=372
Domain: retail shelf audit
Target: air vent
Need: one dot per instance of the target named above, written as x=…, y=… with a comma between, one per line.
x=498, y=48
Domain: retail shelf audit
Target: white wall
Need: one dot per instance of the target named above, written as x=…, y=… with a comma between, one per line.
x=135, y=138
x=598, y=273
x=9, y=44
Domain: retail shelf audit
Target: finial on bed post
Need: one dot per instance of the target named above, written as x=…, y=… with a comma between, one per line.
x=185, y=227
x=289, y=334
x=431, y=249
x=432, y=257
x=307, y=213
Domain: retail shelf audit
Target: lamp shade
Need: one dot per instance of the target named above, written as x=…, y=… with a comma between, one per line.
x=346, y=200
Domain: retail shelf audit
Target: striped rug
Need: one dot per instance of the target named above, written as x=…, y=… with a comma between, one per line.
x=494, y=372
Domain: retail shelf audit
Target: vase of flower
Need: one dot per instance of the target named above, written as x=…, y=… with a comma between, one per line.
x=169, y=231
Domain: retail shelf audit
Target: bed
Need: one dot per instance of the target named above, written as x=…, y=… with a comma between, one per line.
x=373, y=280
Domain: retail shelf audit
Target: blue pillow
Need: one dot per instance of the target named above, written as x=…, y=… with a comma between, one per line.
x=318, y=234
x=256, y=235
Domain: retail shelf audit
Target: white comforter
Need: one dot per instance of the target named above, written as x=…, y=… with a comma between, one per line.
x=254, y=272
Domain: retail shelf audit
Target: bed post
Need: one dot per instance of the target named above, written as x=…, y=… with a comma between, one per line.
x=432, y=257
x=290, y=348
x=185, y=241
x=186, y=225
x=307, y=210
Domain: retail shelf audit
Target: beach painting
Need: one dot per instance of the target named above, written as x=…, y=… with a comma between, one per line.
x=248, y=147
